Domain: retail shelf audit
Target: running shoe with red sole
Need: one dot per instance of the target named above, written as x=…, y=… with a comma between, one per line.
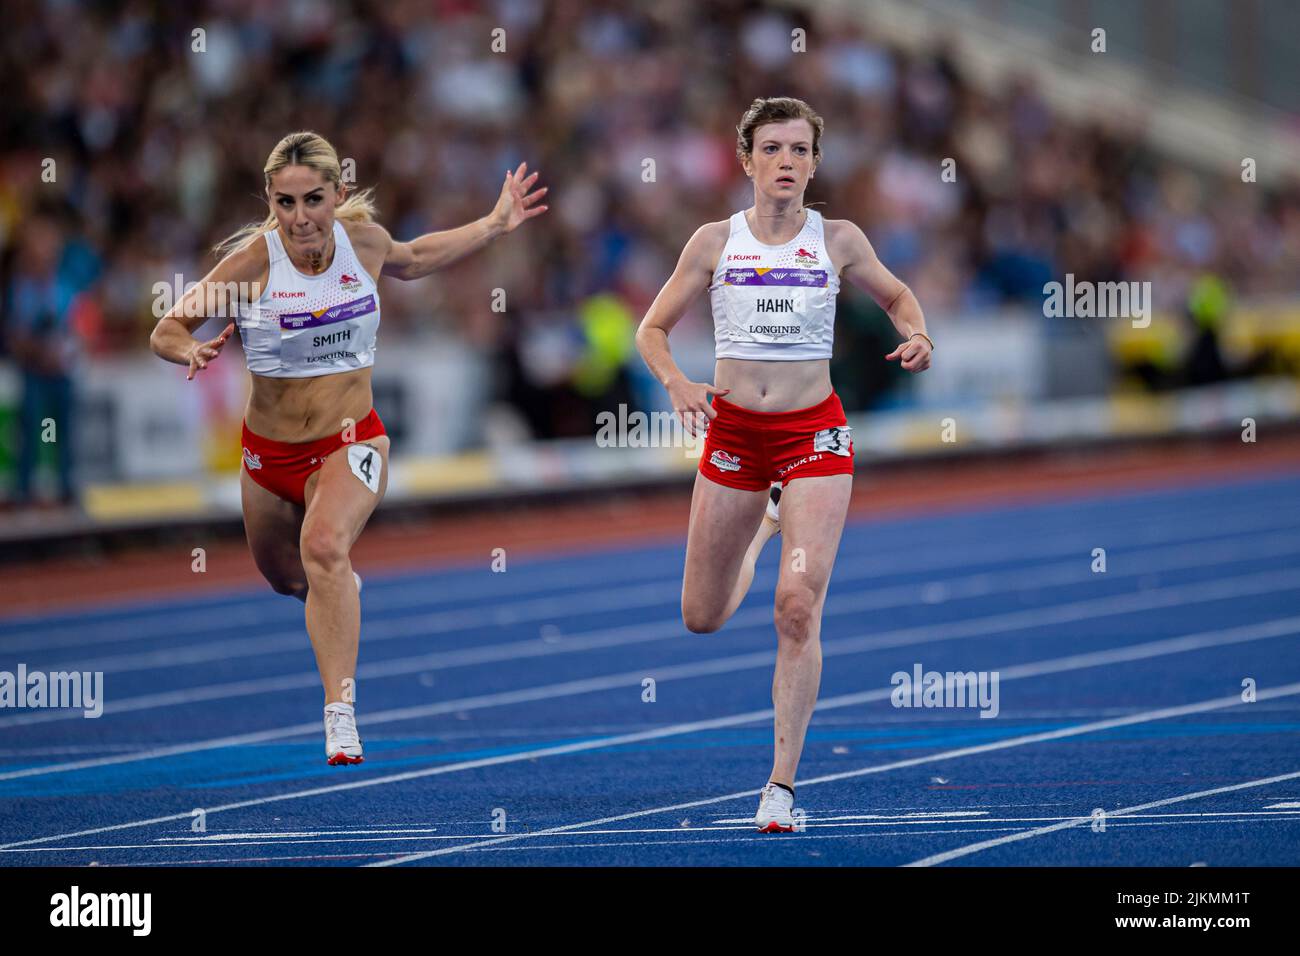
x=342, y=743
x=775, y=810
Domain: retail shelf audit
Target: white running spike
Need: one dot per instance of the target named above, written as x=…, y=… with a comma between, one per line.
x=775, y=810
x=342, y=743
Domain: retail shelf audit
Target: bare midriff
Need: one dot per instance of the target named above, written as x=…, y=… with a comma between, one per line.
x=774, y=386
x=307, y=409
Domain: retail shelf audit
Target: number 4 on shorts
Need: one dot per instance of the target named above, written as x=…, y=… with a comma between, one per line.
x=367, y=464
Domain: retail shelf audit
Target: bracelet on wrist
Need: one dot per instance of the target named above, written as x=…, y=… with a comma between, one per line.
x=924, y=336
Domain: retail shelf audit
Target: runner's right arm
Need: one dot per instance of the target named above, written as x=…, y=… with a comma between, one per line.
x=693, y=274
x=218, y=294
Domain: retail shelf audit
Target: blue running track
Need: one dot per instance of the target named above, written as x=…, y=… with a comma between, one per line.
x=506, y=721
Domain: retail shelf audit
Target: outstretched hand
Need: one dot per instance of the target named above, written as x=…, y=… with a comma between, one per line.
x=201, y=353
x=516, y=203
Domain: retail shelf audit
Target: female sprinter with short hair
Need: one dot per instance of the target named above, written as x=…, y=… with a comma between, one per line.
x=772, y=272
x=315, y=451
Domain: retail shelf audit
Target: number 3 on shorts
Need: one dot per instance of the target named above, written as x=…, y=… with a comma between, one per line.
x=367, y=464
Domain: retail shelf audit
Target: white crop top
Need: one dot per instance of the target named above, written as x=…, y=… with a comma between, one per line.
x=774, y=303
x=304, y=325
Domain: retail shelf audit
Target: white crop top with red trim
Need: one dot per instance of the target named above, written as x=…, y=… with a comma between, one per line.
x=774, y=303
x=308, y=325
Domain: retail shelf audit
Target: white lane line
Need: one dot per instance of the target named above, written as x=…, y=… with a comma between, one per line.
x=577, y=747
x=757, y=840
x=1238, y=816
x=982, y=584
x=161, y=844
x=1073, y=662
x=246, y=860
x=594, y=600
x=739, y=823
x=844, y=602
x=948, y=855
x=20, y=753
x=222, y=837
x=502, y=614
x=974, y=627
x=1136, y=564
x=171, y=622
x=1176, y=819
x=150, y=621
x=749, y=839
x=1059, y=734
x=1288, y=805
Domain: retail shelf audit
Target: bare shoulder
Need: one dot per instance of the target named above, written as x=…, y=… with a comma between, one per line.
x=842, y=231
x=370, y=236
x=249, y=263
x=846, y=242
x=705, y=247
x=717, y=230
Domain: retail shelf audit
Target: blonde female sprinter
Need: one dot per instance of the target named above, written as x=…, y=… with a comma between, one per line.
x=315, y=451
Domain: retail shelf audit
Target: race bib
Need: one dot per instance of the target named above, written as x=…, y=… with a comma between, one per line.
x=774, y=305
x=338, y=336
x=367, y=464
x=837, y=440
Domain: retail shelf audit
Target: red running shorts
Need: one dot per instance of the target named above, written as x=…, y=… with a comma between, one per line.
x=749, y=450
x=283, y=468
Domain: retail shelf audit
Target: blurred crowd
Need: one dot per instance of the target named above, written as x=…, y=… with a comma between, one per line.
x=134, y=135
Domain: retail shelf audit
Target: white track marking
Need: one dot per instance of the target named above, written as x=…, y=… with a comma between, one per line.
x=163, y=845
x=271, y=837
x=977, y=585
x=769, y=842
x=651, y=594
x=257, y=859
x=602, y=638
x=757, y=840
x=1074, y=662
x=407, y=591
x=996, y=624
x=385, y=629
x=167, y=623
x=947, y=816
x=1289, y=805
x=746, y=825
x=1237, y=816
x=765, y=843
x=1059, y=734
x=601, y=599
x=739, y=823
x=577, y=747
x=852, y=602
x=19, y=753
x=945, y=857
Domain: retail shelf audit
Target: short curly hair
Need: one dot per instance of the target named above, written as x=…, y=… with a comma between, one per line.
x=775, y=109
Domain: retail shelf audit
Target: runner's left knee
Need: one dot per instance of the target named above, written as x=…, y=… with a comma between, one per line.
x=794, y=613
x=324, y=550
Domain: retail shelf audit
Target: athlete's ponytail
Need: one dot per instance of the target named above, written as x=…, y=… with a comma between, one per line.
x=358, y=207
x=313, y=151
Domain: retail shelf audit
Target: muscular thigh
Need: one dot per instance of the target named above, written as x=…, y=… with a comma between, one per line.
x=272, y=526
x=812, y=520
x=723, y=523
x=344, y=492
